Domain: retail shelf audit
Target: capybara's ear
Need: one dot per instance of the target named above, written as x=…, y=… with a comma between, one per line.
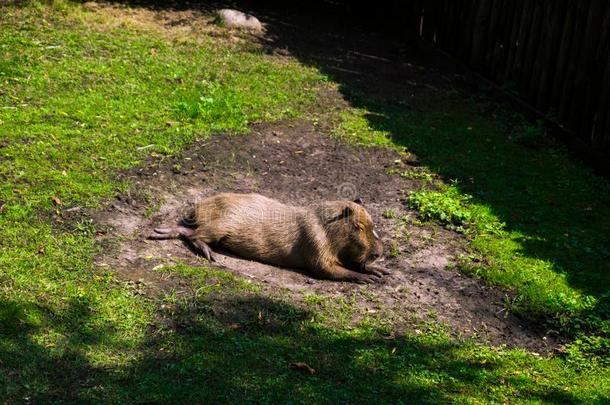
x=347, y=212
x=359, y=201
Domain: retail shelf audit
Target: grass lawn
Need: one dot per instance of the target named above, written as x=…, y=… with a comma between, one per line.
x=86, y=93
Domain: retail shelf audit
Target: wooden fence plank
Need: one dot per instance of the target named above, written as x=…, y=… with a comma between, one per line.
x=441, y=28
x=604, y=138
x=430, y=15
x=501, y=50
x=573, y=61
x=513, y=48
x=545, y=28
x=452, y=26
x=516, y=67
x=490, y=41
x=414, y=17
x=563, y=58
x=602, y=116
x=579, y=116
x=532, y=50
x=473, y=6
x=480, y=32
x=551, y=53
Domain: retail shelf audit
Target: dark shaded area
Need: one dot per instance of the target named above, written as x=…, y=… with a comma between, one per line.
x=221, y=349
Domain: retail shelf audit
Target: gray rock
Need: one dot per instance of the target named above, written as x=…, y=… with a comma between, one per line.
x=237, y=19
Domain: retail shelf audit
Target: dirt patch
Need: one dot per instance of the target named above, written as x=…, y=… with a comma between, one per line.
x=294, y=163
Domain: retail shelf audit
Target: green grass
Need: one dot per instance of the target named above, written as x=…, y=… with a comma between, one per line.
x=80, y=101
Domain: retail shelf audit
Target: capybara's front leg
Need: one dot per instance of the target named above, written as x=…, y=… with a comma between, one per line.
x=340, y=273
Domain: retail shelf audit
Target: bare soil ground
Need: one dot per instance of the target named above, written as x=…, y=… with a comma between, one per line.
x=297, y=164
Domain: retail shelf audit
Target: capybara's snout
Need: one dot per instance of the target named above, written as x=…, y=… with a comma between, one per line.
x=377, y=251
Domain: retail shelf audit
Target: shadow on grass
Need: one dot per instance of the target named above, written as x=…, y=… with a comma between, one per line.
x=234, y=349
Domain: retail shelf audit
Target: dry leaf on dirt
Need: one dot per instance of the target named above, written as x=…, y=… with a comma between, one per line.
x=304, y=367
x=55, y=200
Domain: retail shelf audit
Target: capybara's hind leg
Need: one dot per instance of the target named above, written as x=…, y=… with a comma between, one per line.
x=172, y=233
x=203, y=248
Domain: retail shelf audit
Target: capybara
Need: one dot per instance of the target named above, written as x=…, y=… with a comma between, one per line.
x=333, y=240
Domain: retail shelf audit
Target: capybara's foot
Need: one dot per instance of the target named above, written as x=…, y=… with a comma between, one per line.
x=339, y=273
x=204, y=249
x=367, y=278
x=377, y=271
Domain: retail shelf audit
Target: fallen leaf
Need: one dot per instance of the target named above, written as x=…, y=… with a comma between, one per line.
x=304, y=367
x=561, y=350
x=41, y=250
x=55, y=200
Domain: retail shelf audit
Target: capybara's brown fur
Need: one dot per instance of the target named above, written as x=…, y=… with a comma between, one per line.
x=329, y=240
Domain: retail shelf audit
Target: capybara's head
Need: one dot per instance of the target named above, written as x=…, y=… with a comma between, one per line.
x=352, y=232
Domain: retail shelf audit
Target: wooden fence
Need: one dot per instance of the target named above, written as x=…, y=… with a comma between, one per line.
x=552, y=54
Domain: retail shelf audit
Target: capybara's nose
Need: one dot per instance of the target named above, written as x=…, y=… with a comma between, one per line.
x=375, y=256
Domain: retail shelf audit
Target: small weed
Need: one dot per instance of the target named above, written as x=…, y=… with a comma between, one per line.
x=314, y=299
x=394, y=249
x=151, y=209
x=85, y=227
x=448, y=206
x=389, y=213
x=416, y=173
x=454, y=209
